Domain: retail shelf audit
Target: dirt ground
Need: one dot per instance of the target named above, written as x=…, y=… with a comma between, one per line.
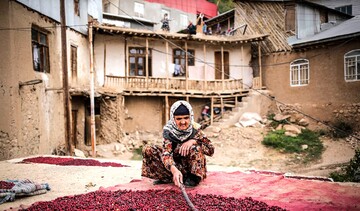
x=237, y=149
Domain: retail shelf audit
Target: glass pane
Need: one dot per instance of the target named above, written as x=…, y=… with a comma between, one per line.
x=34, y=35
x=353, y=53
x=132, y=50
x=43, y=39
x=36, y=57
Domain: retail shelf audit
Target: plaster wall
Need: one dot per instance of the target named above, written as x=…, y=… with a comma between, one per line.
x=327, y=90
x=239, y=58
x=143, y=114
x=82, y=78
x=153, y=12
x=32, y=119
x=148, y=113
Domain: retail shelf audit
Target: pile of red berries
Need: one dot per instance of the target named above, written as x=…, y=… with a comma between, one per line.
x=149, y=200
x=6, y=185
x=70, y=162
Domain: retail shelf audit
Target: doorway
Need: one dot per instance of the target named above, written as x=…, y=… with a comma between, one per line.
x=218, y=65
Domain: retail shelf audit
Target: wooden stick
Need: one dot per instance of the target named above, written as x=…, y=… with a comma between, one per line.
x=191, y=205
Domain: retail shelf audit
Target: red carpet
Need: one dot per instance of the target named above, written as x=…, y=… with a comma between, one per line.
x=275, y=190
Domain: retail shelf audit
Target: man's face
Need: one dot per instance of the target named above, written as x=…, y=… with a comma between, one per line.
x=182, y=121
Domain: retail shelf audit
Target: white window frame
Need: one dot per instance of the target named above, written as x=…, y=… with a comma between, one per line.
x=184, y=21
x=352, y=65
x=139, y=9
x=299, y=72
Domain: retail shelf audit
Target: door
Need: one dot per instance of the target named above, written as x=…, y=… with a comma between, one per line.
x=218, y=65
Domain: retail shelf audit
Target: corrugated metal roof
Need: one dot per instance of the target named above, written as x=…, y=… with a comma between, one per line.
x=349, y=28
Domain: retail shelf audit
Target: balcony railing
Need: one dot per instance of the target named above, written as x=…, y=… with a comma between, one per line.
x=173, y=84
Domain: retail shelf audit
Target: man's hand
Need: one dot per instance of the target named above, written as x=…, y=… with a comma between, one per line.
x=177, y=176
x=185, y=147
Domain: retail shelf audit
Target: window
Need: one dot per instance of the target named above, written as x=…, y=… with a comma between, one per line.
x=137, y=60
x=40, y=50
x=107, y=7
x=183, y=21
x=73, y=59
x=345, y=9
x=77, y=7
x=299, y=72
x=352, y=66
x=139, y=9
x=180, y=59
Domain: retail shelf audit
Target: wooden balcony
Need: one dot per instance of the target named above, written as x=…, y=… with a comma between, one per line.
x=174, y=86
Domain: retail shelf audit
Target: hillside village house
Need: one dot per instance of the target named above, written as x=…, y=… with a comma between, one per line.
x=310, y=61
x=128, y=77
x=33, y=91
x=43, y=110
x=151, y=70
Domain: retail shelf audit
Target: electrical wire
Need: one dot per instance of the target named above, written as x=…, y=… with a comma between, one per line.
x=212, y=65
x=216, y=69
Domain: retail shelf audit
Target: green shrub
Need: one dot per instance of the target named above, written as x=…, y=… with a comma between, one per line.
x=350, y=173
x=137, y=153
x=278, y=140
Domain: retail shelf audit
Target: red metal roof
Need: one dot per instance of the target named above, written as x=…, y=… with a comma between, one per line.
x=191, y=6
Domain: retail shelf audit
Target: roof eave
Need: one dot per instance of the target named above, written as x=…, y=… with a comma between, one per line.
x=322, y=41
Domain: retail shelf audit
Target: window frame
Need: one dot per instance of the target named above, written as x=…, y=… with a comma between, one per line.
x=42, y=47
x=139, y=9
x=77, y=7
x=73, y=61
x=356, y=65
x=182, y=56
x=184, y=20
x=137, y=56
x=301, y=81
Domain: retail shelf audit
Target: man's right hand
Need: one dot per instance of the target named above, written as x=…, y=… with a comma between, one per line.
x=177, y=176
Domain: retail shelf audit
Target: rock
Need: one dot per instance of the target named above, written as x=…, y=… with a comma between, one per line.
x=79, y=153
x=279, y=127
x=280, y=117
x=292, y=129
x=303, y=122
x=304, y=146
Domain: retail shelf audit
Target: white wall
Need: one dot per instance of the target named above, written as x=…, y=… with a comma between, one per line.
x=239, y=58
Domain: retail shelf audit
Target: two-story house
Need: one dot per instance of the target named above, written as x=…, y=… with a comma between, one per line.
x=310, y=59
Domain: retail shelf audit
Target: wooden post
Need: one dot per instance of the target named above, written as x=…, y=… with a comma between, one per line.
x=222, y=106
x=212, y=111
x=187, y=99
x=167, y=65
x=260, y=67
x=222, y=68
x=205, y=83
x=65, y=80
x=187, y=68
x=92, y=103
x=126, y=49
x=146, y=62
x=166, y=108
x=104, y=63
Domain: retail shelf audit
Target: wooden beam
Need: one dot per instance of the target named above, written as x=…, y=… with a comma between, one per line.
x=212, y=111
x=205, y=84
x=187, y=67
x=147, y=63
x=166, y=108
x=222, y=69
x=260, y=67
x=167, y=64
